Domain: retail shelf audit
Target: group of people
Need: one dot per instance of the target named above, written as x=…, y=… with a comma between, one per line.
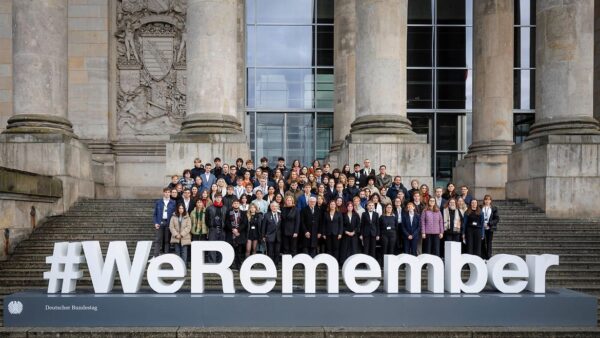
x=298, y=209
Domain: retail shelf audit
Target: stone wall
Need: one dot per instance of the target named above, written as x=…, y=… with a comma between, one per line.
x=5, y=62
x=88, y=67
x=25, y=200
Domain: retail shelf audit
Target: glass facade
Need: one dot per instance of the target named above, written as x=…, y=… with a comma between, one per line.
x=439, y=78
x=289, y=73
x=289, y=66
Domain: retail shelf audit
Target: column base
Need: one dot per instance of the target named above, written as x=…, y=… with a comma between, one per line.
x=578, y=125
x=494, y=147
x=183, y=148
x=484, y=174
x=558, y=173
x=57, y=155
x=39, y=124
x=377, y=124
x=406, y=155
x=210, y=124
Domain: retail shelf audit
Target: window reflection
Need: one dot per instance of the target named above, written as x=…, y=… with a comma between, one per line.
x=283, y=46
x=284, y=88
x=324, y=88
x=284, y=11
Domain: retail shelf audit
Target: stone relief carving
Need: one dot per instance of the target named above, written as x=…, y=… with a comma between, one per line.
x=151, y=75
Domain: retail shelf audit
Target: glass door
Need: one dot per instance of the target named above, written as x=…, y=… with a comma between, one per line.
x=270, y=136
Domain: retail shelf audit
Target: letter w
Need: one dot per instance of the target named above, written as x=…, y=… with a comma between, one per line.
x=103, y=272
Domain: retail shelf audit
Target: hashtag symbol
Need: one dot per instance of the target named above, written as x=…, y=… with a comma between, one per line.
x=64, y=266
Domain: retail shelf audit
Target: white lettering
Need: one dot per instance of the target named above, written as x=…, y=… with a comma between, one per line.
x=414, y=265
x=200, y=268
x=102, y=271
x=538, y=264
x=247, y=273
x=156, y=274
x=371, y=273
x=454, y=264
x=510, y=267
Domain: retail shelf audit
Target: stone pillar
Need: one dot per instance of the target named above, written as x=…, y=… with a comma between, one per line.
x=484, y=168
x=597, y=59
x=557, y=167
x=381, y=132
x=39, y=138
x=40, y=68
x=344, y=49
x=211, y=127
x=381, y=67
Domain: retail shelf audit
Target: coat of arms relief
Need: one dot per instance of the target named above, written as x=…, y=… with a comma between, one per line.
x=151, y=74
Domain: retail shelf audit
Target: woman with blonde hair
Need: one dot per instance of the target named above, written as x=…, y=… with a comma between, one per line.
x=254, y=224
x=199, y=229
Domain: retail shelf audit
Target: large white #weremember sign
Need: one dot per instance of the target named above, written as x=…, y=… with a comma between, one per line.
x=166, y=273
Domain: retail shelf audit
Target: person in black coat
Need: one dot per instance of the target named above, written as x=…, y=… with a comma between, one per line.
x=351, y=232
x=369, y=229
x=214, y=218
x=331, y=229
x=411, y=229
x=236, y=225
x=310, y=223
x=290, y=225
x=271, y=231
x=473, y=229
x=388, y=227
x=253, y=235
x=490, y=223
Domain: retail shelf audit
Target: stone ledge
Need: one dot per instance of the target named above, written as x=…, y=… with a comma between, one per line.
x=18, y=182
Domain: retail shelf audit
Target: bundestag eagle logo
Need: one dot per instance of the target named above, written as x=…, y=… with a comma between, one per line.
x=15, y=307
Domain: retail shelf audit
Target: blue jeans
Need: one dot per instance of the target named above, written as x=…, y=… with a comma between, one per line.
x=182, y=251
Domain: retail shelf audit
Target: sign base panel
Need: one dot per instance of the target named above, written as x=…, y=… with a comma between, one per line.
x=556, y=308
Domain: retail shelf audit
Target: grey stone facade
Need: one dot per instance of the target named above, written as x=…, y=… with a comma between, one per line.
x=115, y=96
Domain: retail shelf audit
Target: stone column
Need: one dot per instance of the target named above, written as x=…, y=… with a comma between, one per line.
x=211, y=127
x=381, y=67
x=484, y=169
x=557, y=167
x=381, y=132
x=40, y=74
x=344, y=35
x=564, y=69
x=212, y=67
x=39, y=138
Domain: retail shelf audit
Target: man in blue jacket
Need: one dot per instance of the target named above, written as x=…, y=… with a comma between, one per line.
x=411, y=229
x=163, y=210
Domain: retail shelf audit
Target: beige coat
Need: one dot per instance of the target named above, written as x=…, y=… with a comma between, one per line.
x=457, y=220
x=182, y=229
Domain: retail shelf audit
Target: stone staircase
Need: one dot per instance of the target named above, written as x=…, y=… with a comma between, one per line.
x=523, y=229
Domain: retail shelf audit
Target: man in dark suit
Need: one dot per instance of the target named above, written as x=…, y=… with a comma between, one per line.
x=271, y=230
x=187, y=200
x=411, y=229
x=439, y=200
x=369, y=229
x=310, y=223
x=163, y=210
x=365, y=173
x=357, y=174
x=236, y=224
x=208, y=179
